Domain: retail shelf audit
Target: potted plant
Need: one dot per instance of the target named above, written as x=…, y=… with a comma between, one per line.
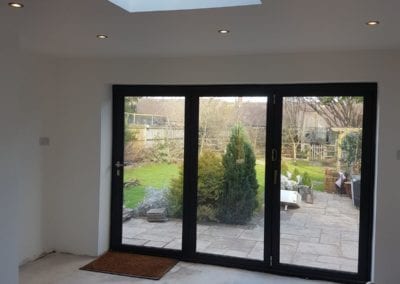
x=351, y=157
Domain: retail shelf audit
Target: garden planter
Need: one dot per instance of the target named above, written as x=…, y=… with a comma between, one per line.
x=347, y=188
x=330, y=178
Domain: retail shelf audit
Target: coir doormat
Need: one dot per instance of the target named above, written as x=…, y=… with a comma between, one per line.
x=132, y=265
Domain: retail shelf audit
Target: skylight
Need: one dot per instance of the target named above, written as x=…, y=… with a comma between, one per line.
x=133, y=6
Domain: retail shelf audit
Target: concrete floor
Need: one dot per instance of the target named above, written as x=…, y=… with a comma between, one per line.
x=64, y=269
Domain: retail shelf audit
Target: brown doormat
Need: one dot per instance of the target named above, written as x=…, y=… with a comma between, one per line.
x=132, y=265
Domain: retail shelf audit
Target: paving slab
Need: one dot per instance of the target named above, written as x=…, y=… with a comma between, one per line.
x=298, y=219
x=253, y=235
x=304, y=258
x=323, y=235
x=201, y=228
x=244, y=246
x=349, y=236
x=201, y=245
x=319, y=249
x=349, y=249
x=151, y=237
x=134, y=242
x=289, y=242
x=131, y=232
x=155, y=244
x=300, y=238
x=337, y=260
x=224, y=231
x=235, y=253
x=175, y=244
x=333, y=238
x=257, y=252
x=304, y=232
x=317, y=264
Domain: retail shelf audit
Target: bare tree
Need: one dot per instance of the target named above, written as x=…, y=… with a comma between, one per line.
x=293, y=121
x=338, y=111
x=204, y=121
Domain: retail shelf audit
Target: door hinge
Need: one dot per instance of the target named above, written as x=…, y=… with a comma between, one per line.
x=274, y=99
x=270, y=260
x=275, y=177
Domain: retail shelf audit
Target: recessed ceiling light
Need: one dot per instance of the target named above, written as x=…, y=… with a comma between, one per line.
x=102, y=36
x=372, y=23
x=224, y=32
x=15, y=5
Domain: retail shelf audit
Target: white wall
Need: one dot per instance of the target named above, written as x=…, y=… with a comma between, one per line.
x=22, y=84
x=77, y=117
x=20, y=158
x=72, y=162
x=35, y=84
x=105, y=172
x=9, y=110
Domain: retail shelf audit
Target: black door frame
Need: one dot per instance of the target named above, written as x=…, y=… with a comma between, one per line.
x=275, y=94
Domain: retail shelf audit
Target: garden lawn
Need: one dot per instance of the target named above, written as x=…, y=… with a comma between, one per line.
x=260, y=173
x=316, y=173
x=159, y=176
x=156, y=176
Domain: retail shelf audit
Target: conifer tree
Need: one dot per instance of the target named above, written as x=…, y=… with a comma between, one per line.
x=238, y=198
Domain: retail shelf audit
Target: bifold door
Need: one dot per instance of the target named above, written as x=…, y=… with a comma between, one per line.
x=231, y=176
x=275, y=178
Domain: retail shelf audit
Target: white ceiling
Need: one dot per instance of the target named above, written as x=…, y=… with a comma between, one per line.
x=69, y=28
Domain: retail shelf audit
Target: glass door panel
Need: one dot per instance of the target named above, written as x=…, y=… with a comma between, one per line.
x=153, y=183
x=320, y=182
x=231, y=176
x=317, y=199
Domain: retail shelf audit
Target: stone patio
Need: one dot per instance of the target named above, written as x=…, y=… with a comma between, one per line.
x=323, y=234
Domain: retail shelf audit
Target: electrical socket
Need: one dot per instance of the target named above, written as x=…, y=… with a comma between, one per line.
x=44, y=141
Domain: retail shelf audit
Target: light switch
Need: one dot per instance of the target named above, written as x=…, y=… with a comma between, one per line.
x=44, y=141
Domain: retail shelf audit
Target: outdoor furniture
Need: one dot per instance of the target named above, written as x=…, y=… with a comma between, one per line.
x=290, y=198
x=340, y=183
x=157, y=215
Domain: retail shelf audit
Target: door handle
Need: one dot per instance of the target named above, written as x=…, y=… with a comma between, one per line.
x=119, y=165
x=274, y=155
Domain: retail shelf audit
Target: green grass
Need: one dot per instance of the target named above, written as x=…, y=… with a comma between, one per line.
x=260, y=173
x=133, y=196
x=150, y=175
x=317, y=173
x=160, y=175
